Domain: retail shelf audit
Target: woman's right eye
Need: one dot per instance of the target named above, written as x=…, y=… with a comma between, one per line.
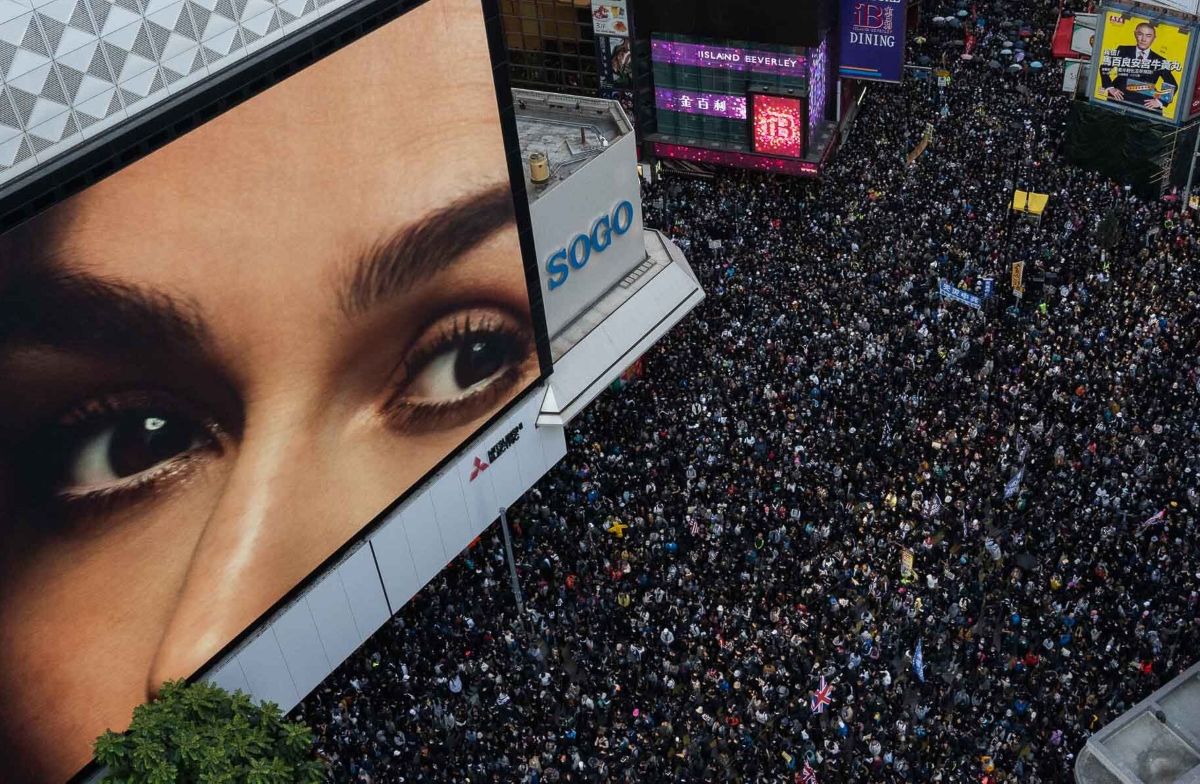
x=126, y=449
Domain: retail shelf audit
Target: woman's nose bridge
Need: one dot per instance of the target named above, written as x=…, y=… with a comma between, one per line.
x=255, y=546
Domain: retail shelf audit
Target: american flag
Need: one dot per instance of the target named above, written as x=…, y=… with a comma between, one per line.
x=822, y=696
x=808, y=775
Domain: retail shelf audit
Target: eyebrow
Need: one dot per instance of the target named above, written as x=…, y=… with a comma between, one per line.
x=45, y=306
x=421, y=250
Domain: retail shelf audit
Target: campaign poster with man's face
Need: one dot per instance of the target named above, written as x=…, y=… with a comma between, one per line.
x=1141, y=64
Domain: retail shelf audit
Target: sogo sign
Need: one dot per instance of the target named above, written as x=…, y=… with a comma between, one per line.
x=578, y=253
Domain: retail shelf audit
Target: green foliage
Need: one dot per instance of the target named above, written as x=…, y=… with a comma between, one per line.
x=202, y=734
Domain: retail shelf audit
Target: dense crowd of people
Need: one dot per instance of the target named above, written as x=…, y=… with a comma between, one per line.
x=821, y=419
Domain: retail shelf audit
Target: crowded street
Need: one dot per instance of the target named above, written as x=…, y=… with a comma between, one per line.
x=838, y=528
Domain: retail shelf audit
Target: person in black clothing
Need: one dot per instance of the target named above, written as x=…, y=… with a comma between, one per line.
x=788, y=442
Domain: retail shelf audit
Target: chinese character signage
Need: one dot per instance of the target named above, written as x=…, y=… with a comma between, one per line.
x=778, y=125
x=610, y=18
x=712, y=104
x=953, y=293
x=1140, y=64
x=872, y=40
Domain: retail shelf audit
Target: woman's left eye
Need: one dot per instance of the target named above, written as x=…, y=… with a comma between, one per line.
x=459, y=368
x=464, y=367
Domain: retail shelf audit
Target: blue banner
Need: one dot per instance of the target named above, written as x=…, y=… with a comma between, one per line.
x=949, y=291
x=872, y=40
x=1014, y=484
x=989, y=287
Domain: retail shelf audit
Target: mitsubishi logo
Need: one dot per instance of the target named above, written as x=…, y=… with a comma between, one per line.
x=479, y=468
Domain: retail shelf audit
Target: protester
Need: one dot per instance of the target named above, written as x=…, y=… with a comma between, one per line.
x=822, y=413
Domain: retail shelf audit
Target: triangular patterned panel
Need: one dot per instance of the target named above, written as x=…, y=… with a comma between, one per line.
x=158, y=83
x=159, y=35
x=170, y=77
x=290, y=9
x=309, y=7
x=114, y=105
x=239, y=7
x=7, y=53
x=131, y=5
x=286, y=18
x=49, y=132
x=142, y=46
x=71, y=79
x=100, y=9
x=200, y=16
x=53, y=91
x=275, y=23
x=72, y=127
x=23, y=154
x=23, y=102
x=198, y=62
x=52, y=29
x=261, y=25
x=128, y=98
x=249, y=35
x=99, y=66
x=40, y=144
x=225, y=9
x=184, y=25
x=116, y=59
x=210, y=55
x=14, y=29
x=33, y=40
x=82, y=20
x=20, y=152
x=8, y=115
x=87, y=121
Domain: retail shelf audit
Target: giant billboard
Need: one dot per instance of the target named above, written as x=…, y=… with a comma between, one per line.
x=872, y=40
x=778, y=125
x=701, y=86
x=1141, y=64
x=220, y=364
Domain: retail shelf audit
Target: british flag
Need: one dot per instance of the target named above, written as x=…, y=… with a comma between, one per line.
x=822, y=696
x=808, y=775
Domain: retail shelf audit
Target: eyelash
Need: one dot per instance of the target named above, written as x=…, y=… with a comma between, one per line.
x=54, y=446
x=459, y=329
x=78, y=423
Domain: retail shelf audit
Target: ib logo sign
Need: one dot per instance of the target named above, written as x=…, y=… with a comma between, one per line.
x=576, y=255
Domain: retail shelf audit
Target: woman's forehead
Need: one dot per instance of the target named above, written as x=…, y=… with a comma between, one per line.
x=271, y=168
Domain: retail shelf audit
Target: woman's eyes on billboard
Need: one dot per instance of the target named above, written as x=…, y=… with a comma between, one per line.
x=459, y=368
x=132, y=445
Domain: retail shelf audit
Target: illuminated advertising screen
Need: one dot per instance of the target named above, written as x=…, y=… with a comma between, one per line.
x=778, y=125
x=222, y=363
x=1141, y=63
x=872, y=40
x=701, y=86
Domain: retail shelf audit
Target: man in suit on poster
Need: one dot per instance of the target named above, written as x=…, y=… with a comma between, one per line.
x=1138, y=69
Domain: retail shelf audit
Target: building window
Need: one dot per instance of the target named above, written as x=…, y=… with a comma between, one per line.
x=551, y=45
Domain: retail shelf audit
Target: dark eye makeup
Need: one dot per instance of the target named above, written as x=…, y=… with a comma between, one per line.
x=125, y=446
x=459, y=369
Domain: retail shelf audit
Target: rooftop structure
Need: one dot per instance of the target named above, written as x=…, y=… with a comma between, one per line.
x=568, y=129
